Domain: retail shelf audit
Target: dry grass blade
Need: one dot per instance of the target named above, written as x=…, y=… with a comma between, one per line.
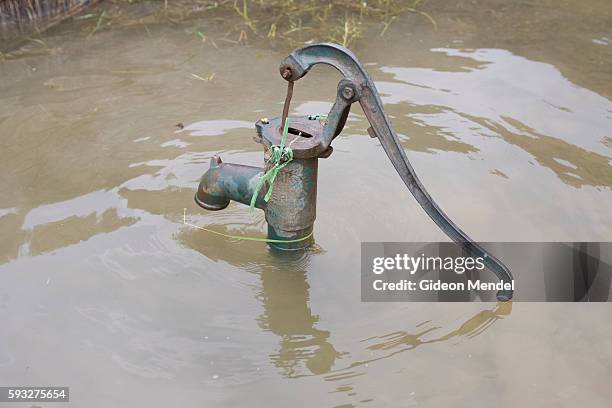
x=288, y=22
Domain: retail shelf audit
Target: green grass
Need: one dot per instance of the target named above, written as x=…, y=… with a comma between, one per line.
x=339, y=21
x=282, y=23
x=279, y=22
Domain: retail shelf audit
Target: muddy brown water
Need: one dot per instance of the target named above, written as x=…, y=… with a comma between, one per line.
x=505, y=115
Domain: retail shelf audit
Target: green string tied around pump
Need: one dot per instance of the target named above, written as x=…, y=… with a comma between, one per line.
x=245, y=238
x=280, y=156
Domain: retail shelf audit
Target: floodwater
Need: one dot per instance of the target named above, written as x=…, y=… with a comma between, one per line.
x=506, y=116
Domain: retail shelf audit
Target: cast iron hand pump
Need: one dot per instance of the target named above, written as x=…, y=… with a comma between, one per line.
x=291, y=209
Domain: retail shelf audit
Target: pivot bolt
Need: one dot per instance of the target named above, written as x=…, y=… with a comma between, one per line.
x=287, y=73
x=348, y=92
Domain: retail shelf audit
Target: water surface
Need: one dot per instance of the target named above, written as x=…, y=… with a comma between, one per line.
x=104, y=289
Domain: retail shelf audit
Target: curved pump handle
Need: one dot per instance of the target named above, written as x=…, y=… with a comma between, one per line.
x=356, y=85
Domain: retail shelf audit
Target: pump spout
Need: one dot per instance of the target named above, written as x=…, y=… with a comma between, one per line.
x=225, y=182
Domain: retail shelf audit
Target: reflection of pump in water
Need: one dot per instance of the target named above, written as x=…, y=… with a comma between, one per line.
x=287, y=314
x=302, y=347
x=293, y=146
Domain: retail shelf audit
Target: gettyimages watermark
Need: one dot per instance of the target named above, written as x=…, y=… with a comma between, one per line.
x=442, y=271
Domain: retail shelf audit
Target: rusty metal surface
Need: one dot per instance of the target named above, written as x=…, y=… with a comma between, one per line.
x=357, y=86
x=226, y=181
x=304, y=135
x=292, y=206
x=287, y=74
x=295, y=239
